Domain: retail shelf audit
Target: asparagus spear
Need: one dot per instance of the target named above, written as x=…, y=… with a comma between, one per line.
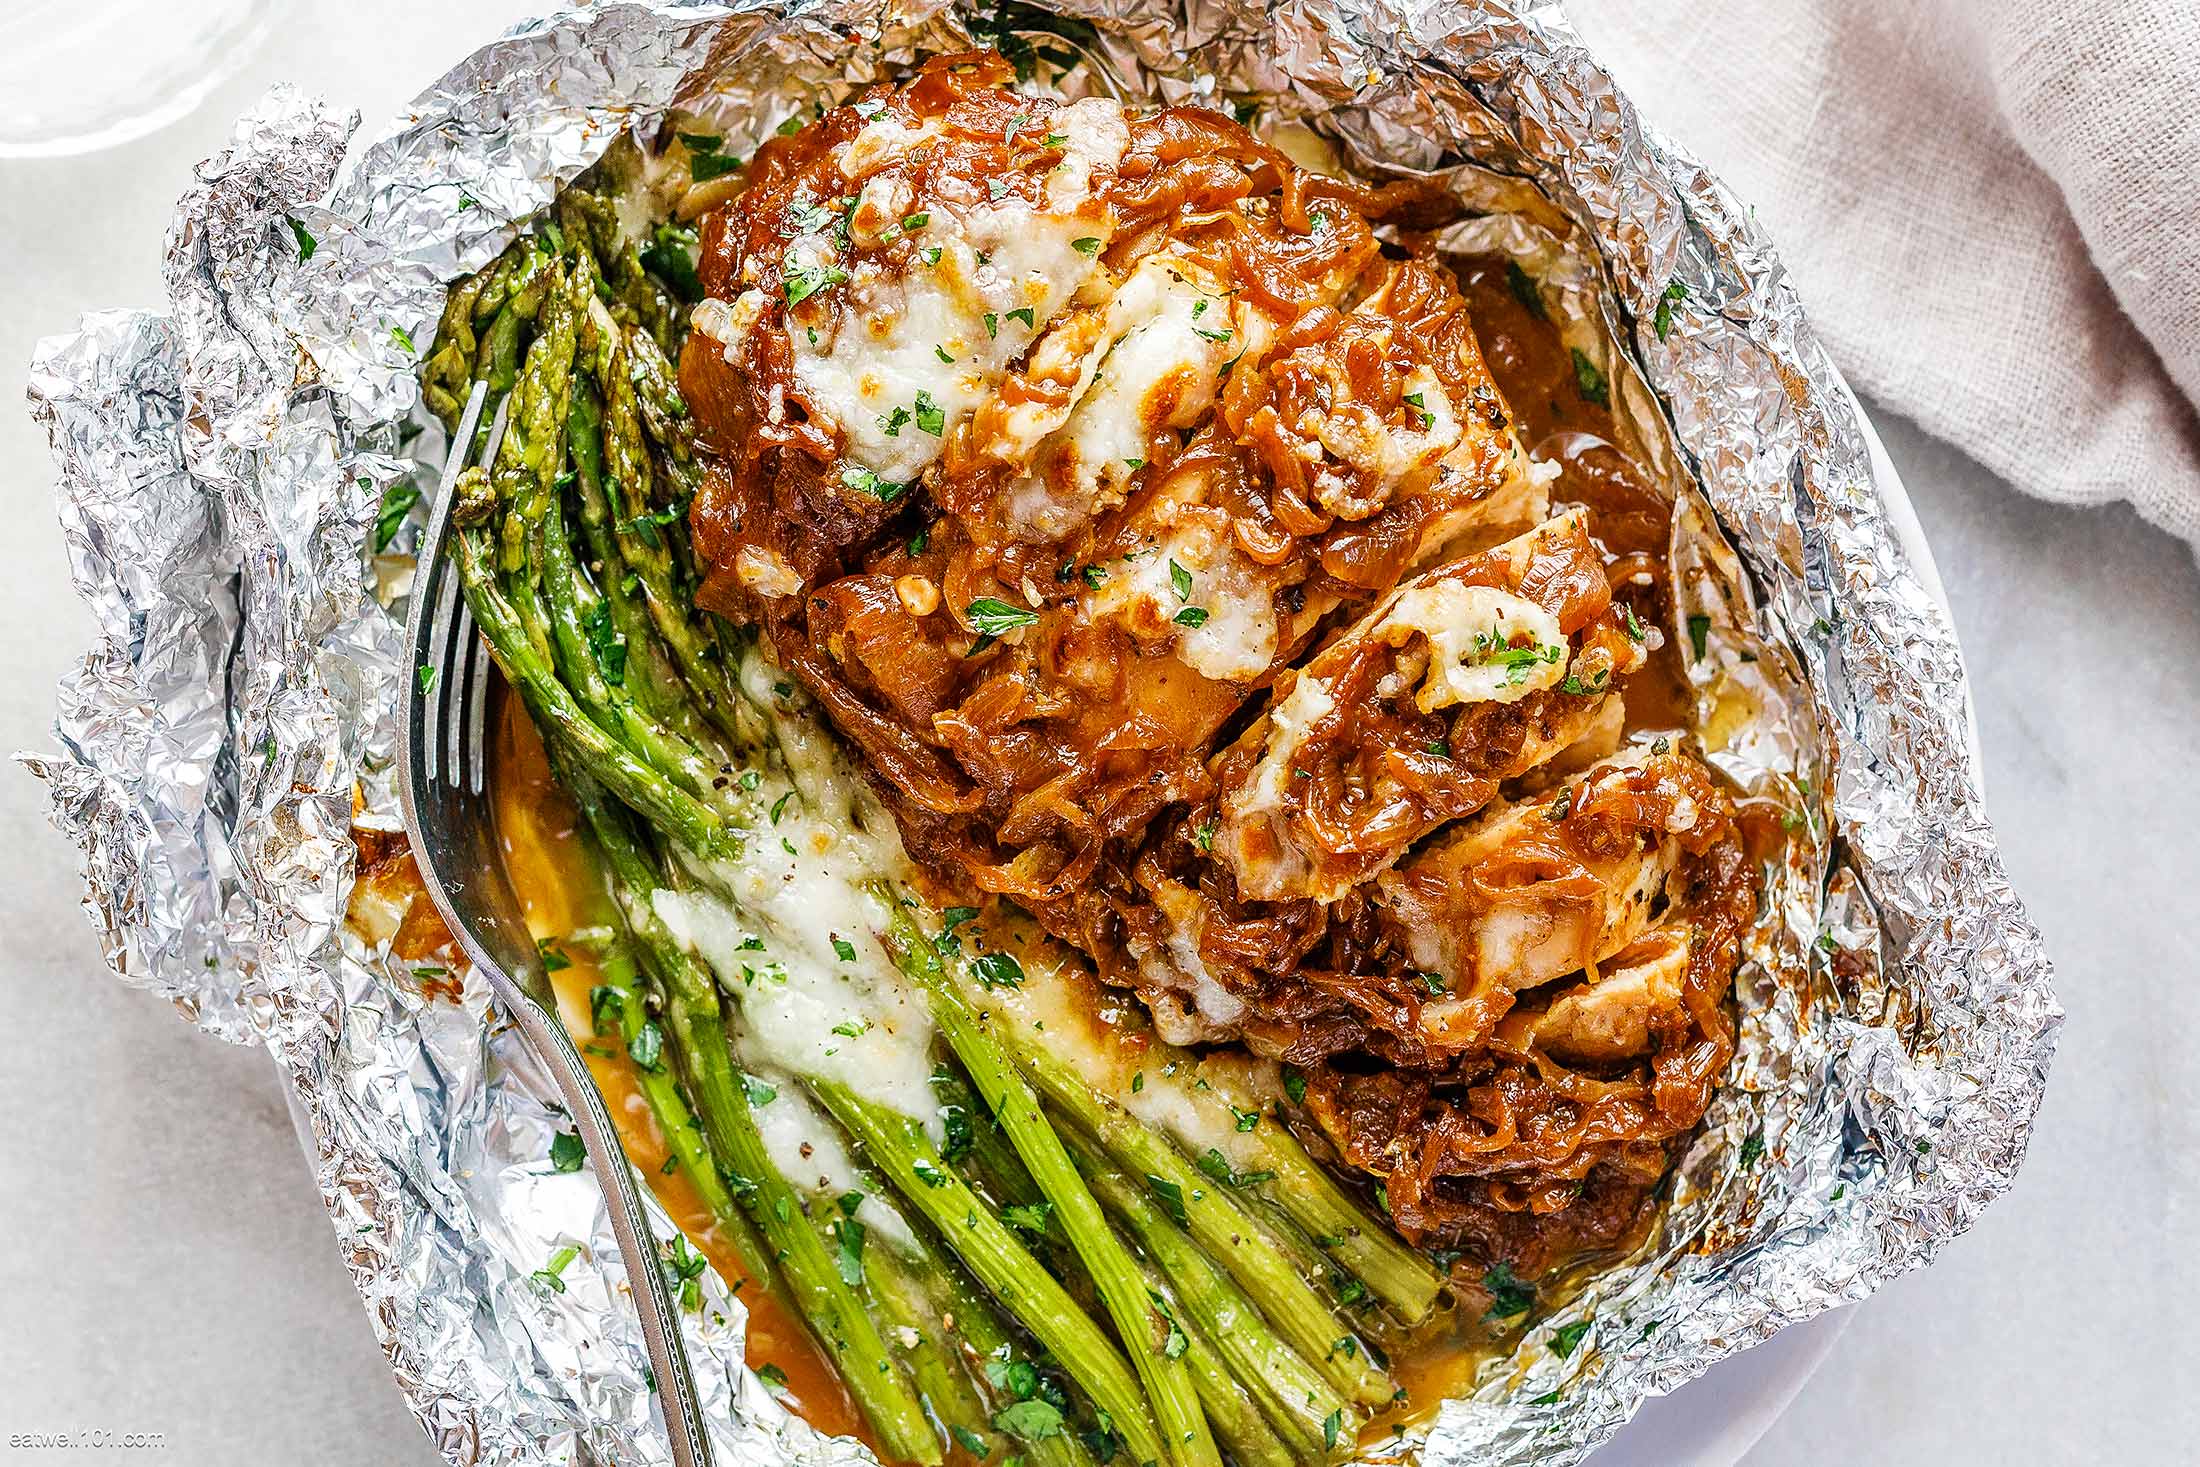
x=682, y=1134
x=650, y=674
x=1168, y=1383
x=1311, y=1197
x=898, y=1147
x=943, y=1381
x=1236, y=1420
x=972, y=1315
x=660, y=801
x=696, y=1038
x=1292, y=1394
x=1217, y=1221
x=643, y=541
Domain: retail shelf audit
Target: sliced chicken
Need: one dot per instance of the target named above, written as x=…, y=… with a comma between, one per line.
x=1458, y=680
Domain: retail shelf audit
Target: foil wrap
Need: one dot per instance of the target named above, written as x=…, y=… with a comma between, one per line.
x=222, y=461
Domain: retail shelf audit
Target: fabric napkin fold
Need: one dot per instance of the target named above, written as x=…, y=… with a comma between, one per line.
x=1991, y=207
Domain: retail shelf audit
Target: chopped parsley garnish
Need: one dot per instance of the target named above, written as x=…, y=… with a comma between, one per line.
x=307, y=244
x=1089, y=245
x=1492, y=651
x=1212, y=333
x=772, y=1376
x=1433, y=982
x=998, y=970
x=1021, y=313
x=930, y=254
x=759, y=1092
x=553, y=961
x=1566, y=1336
x=701, y=142
x=703, y=167
x=1589, y=380
x=404, y=340
x=1579, y=689
x=931, y=417
x=397, y=502
x=1247, y=1120
x=1699, y=632
x=992, y=617
x=779, y=806
x=1636, y=631
x=1028, y=1217
x=1191, y=616
x=1510, y=1296
x=849, y=1259
x=863, y=481
x=1203, y=835
x=970, y=1441
x=425, y=678
x=1094, y=576
x=605, y=642
x=670, y=254
x=1523, y=289
x=1753, y=1150
x=1171, y=1198
x=1181, y=580
x=1033, y=1420
x=1134, y=464
x=566, y=1152
x=941, y=353
x=892, y=423
x=1294, y=1085
x=843, y=948
x=914, y=222
x=992, y=324
x=1418, y=402
x=799, y=282
x=929, y=1174
x=1662, y=319
x=1216, y=1165
x=605, y=1002
x=852, y=1028
x=1332, y=1424
x=647, y=1048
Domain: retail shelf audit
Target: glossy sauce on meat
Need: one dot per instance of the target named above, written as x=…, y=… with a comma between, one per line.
x=1262, y=604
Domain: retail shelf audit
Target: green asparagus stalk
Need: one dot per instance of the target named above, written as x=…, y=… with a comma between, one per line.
x=898, y=1147
x=683, y=1135
x=1114, y=1273
x=1215, y=1220
x=643, y=543
x=1236, y=1420
x=650, y=674
x=561, y=719
x=1296, y=1399
x=943, y=1382
x=987, y=1346
x=698, y=1044
x=575, y=605
x=1312, y=1198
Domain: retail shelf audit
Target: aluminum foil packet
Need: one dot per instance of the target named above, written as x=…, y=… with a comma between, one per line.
x=222, y=464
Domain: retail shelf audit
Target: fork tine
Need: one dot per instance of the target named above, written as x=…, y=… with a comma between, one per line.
x=432, y=580
x=474, y=723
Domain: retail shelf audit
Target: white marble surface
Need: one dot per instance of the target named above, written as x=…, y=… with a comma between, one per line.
x=165, y=1265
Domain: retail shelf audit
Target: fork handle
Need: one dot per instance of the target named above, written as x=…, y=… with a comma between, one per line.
x=675, y=1384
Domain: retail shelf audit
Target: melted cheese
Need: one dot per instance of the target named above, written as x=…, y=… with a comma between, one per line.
x=899, y=347
x=1471, y=631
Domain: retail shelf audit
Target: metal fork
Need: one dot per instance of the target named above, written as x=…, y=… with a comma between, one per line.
x=443, y=780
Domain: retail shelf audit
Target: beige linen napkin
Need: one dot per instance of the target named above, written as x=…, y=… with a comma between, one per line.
x=1991, y=207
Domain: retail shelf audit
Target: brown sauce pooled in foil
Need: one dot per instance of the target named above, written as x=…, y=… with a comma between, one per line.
x=1337, y=737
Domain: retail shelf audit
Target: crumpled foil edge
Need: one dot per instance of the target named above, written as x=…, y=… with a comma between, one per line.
x=220, y=464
